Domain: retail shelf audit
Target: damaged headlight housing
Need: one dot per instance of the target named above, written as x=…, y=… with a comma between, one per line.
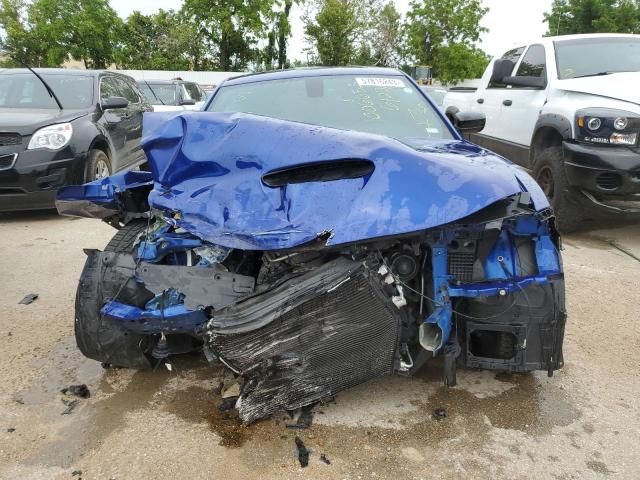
x=53, y=137
x=607, y=127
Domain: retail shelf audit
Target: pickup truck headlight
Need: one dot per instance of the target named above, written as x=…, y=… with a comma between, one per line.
x=607, y=127
x=53, y=137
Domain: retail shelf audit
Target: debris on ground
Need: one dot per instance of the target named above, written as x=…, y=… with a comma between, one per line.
x=323, y=458
x=303, y=452
x=76, y=473
x=302, y=418
x=81, y=391
x=70, y=404
x=227, y=404
x=232, y=392
x=440, y=413
x=218, y=389
x=30, y=298
x=11, y=430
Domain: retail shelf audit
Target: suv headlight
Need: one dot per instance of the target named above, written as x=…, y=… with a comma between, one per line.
x=53, y=137
x=607, y=127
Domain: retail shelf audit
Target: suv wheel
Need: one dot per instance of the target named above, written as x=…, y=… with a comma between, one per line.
x=550, y=175
x=98, y=165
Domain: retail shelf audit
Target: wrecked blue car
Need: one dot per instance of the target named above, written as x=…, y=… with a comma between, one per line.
x=315, y=229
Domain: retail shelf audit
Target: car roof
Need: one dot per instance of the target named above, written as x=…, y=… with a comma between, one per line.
x=164, y=82
x=57, y=71
x=310, y=72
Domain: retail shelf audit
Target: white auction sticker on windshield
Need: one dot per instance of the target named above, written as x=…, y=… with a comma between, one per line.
x=380, y=82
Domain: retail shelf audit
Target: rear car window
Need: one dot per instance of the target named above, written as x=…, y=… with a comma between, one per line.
x=194, y=92
x=385, y=105
x=25, y=90
x=159, y=93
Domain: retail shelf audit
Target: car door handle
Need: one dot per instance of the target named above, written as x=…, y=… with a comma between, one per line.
x=507, y=103
x=480, y=100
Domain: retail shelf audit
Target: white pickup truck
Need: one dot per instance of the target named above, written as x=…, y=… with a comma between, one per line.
x=567, y=108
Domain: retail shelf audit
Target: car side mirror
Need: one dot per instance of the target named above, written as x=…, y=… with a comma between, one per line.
x=501, y=68
x=526, y=82
x=188, y=101
x=112, y=103
x=469, y=122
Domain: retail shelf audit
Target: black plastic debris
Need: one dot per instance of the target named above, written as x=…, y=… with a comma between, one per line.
x=227, y=404
x=11, y=430
x=303, y=452
x=302, y=418
x=70, y=404
x=76, y=473
x=218, y=389
x=30, y=298
x=323, y=458
x=81, y=391
x=440, y=414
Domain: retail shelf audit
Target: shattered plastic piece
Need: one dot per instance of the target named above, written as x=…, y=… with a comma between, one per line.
x=303, y=452
x=81, y=391
x=227, y=404
x=440, y=413
x=11, y=430
x=325, y=459
x=70, y=404
x=303, y=418
x=232, y=391
x=30, y=298
x=76, y=473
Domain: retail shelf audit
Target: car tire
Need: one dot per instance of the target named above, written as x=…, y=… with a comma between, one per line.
x=98, y=165
x=99, y=338
x=550, y=174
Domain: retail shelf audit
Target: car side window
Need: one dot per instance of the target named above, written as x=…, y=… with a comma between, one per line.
x=109, y=88
x=512, y=56
x=534, y=63
x=128, y=92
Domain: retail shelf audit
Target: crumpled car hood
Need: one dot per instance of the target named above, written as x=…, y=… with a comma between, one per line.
x=209, y=168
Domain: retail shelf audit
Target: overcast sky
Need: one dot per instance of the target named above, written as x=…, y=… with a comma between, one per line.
x=510, y=22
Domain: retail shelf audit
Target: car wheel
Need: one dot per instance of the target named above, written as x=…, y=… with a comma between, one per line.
x=98, y=165
x=100, y=338
x=550, y=174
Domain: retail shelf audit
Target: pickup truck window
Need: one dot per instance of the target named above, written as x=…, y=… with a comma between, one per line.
x=513, y=56
x=533, y=64
x=383, y=104
x=597, y=56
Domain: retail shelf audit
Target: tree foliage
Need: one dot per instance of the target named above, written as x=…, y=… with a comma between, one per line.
x=47, y=32
x=162, y=41
x=593, y=16
x=457, y=61
x=232, y=27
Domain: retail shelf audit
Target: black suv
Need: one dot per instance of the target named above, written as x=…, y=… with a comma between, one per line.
x=94, y=131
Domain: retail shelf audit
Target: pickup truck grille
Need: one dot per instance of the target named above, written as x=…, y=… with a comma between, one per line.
x=10, y=139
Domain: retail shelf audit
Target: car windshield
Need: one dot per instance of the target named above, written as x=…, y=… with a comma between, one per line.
x=159, y=93
x=588, y=57
x=25, y=90
x=386, y=105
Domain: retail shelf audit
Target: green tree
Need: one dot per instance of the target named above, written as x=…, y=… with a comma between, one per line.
x=162, y=41
x=47, y=32
x=233, y=28
x=385, y=36
x=457, y=61
x=334, y=29
x=593, y=16
x=433, y=24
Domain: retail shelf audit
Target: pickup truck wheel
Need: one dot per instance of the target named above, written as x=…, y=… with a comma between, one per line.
x=550, y=175
x=98, y=165
x=99, y=338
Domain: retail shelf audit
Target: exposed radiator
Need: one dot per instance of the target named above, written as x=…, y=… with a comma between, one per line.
x=329, y=343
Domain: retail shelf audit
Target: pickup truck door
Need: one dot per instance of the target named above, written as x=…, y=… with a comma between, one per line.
x=490, y=97
x=521, y=106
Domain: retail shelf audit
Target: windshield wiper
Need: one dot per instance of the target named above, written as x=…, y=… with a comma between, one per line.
x=600, y=74
x=52, y=94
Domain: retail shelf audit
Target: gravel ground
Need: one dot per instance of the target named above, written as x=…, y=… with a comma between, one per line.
x=582, y=423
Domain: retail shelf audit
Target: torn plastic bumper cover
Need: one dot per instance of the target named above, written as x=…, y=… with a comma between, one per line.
x=316, y=259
